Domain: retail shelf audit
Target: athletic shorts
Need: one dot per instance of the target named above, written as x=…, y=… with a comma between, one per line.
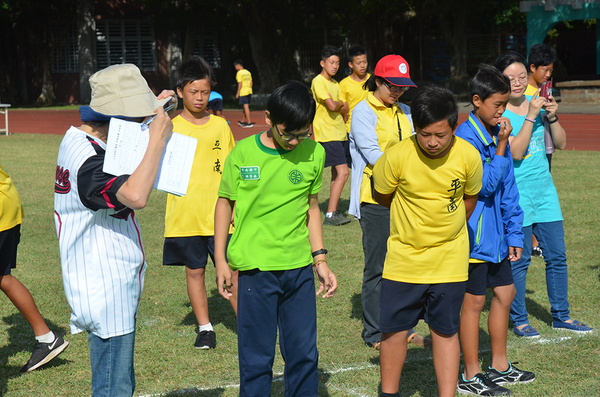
x=245, y=100
x=337, y=153
x=9, y=240
x=192, y=251
x=488, y=275
x=216, y=104
x=402, y=305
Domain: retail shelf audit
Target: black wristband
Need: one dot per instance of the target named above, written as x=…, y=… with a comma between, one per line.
x=553, y=121
x=319, y=252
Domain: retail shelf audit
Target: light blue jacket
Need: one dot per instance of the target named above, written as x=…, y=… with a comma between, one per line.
x=497, y=220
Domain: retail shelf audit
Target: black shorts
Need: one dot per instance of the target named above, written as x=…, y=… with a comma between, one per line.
x=9, y=240
x=192, y=251
x=488, y=275
x=337, y=153
x=245, y=100
x=402, y=305
x=215, y=104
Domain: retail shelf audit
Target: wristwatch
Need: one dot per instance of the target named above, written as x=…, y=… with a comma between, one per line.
x=319, y=252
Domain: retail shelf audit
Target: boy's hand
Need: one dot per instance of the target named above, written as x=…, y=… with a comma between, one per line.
x=224, y=280
x=327, y=280
x=505, y=129
x=514, y=253
x=551, y=107
x=169, y=93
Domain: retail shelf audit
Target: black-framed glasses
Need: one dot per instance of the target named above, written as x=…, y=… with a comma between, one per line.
x=289, y=137
x=395, y=88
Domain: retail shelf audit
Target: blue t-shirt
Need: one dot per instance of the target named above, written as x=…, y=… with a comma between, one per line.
x=538, y=197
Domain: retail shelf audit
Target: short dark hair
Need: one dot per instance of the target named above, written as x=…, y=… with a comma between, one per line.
x=371, y=83
x=195, y=69
x=432, y=104
x=488, y=81
x=292, y=105
x=541, y=55
x=329, y=51
x=355, y=51
x=507, y=59
x=238, y=62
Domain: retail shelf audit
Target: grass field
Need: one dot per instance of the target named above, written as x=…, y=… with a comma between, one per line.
x=166, y=362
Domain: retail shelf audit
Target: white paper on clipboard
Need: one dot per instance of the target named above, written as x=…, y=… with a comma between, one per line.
x=125, y=148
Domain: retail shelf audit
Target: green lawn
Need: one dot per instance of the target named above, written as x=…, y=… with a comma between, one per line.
x=167, y=363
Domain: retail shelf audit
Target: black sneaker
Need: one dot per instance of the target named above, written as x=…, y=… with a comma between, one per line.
x=241, y=123
x=480, y=385
x=44, y=352
x=511, y=375
x=537, y=251
x=337, y=219
x=247, y=125
x=206, y=340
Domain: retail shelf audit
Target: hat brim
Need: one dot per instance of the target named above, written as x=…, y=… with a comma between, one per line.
x=400, y=81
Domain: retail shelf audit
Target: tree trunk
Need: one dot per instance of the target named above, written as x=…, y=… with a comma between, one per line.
x=453, y=26
x=86, y=25
x=47, y=96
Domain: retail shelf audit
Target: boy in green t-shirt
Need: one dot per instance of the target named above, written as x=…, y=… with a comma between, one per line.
x=273, y=179
x=430, y=182
x=330, y=130
x=352, y=88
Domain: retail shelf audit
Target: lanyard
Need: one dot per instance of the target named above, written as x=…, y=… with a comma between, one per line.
x=483, y=137
x=398, y=121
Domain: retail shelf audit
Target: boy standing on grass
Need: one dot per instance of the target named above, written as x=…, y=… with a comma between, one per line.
x=330, y=130
x=244, y=92
x=189, y=219
x=495, y=238
x=352, y=89
x=47, y=345
x=430, y=182
x=273, y=179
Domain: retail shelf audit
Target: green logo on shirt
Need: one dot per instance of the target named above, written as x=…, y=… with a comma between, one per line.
x=250, y=173
x=295, y=177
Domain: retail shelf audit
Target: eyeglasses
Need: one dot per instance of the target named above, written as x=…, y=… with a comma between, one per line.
x=288, y=137
x=523, y=80
x=394, y=88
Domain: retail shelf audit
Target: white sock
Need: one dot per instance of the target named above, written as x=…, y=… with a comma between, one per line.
x=329, y=215
x=205, y=327
x=47, y=338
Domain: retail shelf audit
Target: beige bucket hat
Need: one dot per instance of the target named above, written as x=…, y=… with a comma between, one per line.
x=120, y=90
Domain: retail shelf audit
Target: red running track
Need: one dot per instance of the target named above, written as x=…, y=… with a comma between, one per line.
x=583, y=130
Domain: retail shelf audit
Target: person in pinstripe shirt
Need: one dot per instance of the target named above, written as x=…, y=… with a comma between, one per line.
x=102, y=254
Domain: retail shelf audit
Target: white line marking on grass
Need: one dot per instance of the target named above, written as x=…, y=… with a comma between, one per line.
x=278, y=376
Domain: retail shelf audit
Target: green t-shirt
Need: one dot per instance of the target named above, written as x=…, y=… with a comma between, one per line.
x=271, y=188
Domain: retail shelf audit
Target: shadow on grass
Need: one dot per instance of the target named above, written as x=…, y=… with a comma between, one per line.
x=196, y=393
x=220, y=311
x=343, y=205
x=357, y=311
x=22, y=339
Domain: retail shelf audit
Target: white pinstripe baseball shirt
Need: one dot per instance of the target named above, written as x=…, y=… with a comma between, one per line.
x=101, y=248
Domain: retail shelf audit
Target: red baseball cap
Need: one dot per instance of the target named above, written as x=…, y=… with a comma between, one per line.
x=394, y=69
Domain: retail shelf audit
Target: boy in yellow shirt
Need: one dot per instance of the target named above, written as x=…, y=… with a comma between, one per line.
x=189, y=220
x=244, y=92
x=352, y=89
x=430, y=182
x=330, y=130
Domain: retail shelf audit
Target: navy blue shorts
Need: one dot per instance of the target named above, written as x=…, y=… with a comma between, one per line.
x=488, y=275
x=245, y=100
x=337, y=153
x=9, y=240
x=402, y=305
x=192, y=251
x=215, y=104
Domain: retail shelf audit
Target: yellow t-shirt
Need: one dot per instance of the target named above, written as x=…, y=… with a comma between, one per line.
x=245, y=77
x=428, y=242
x=387, y=136
x=11, y=207
x=328, y=126
x=194, y=213
x=352, y=92
x=530, y=90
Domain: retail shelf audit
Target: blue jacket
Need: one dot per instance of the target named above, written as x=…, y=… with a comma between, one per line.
x=497, y=220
